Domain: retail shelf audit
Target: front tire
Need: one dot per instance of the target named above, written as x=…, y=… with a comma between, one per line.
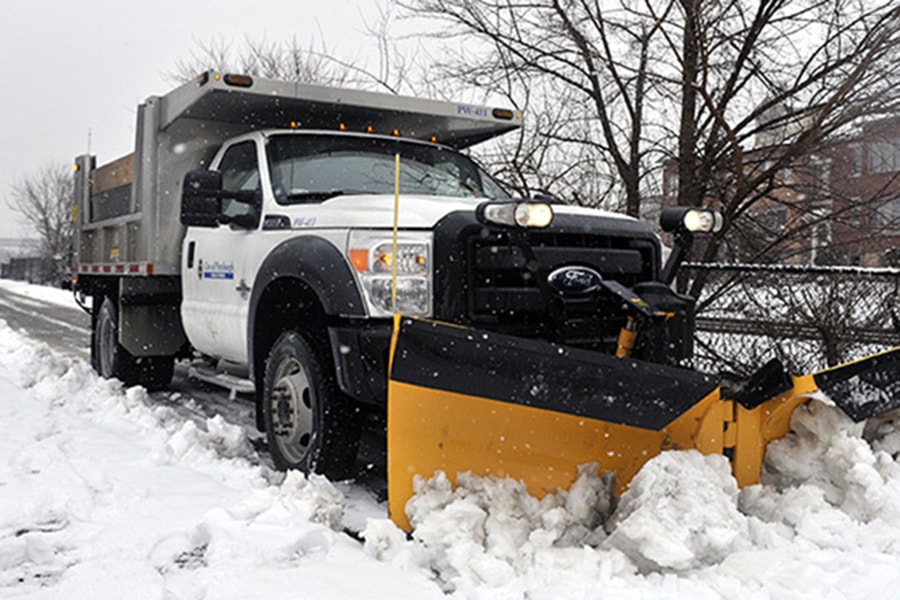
x=310, y=424
x=111, y=360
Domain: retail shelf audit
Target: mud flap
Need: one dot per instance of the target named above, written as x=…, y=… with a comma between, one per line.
x=467, y=400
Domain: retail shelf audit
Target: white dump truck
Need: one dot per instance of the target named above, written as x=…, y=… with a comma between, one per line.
x=252, y=233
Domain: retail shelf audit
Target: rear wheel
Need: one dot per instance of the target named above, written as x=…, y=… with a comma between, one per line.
x=310, y=424
x=111, y=360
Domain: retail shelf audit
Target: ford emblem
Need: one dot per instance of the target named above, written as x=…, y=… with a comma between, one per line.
x=574, y=280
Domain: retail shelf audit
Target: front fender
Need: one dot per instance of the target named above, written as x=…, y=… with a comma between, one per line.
x=317, y=263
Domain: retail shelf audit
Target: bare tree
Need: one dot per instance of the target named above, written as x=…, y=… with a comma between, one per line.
x=733, y=92
x=313, y=62
x=45, y=200
x=588, y=68
x=285, y=60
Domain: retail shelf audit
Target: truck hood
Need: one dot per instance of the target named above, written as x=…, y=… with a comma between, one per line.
x=415, y=212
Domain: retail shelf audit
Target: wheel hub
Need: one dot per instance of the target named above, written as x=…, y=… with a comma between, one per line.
x=292, y=413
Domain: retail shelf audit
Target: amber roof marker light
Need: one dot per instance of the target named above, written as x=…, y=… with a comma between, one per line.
x=238, y=80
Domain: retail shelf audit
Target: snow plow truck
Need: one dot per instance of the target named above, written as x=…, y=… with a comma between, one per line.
x=336, y=253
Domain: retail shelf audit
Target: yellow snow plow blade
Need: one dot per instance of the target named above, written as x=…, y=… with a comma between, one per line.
x=465, y=400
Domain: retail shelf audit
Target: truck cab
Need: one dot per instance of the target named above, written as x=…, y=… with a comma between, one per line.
x=315, y=209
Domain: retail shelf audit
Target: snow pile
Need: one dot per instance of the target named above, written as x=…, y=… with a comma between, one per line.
x=831, y=478
x=488, y=531
x=40, y=293
x=680, y=513
x=825, y=522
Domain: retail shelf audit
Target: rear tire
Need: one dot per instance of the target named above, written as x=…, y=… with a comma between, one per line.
x=310, y=425
x=111, y=360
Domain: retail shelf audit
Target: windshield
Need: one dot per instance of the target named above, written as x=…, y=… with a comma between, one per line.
x=312, y=168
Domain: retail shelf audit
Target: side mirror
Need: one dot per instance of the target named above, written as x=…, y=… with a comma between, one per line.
x=200, y=199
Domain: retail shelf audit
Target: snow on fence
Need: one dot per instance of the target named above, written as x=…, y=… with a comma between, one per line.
x=809, y=317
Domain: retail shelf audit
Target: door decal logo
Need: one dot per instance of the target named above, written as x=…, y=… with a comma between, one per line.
x=243, y=289
x=218, y=270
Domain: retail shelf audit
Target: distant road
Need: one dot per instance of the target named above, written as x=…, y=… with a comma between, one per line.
x=67, y=330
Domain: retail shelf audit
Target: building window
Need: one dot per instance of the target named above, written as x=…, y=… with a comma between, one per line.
x=820, y=170
x=891, y=215
x=775, y=218
x=884, y=156
x=874, y=219
x=822, y=253
x=670, y=183
x=856, y=213
x=856, y=159
x=787, y=175
x=823, y=235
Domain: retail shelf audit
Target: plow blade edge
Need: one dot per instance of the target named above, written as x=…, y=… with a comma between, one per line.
x=865, y=388
x=465, y=400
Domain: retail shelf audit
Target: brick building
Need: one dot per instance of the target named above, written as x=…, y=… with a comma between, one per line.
x=841, y=206
x=860, y=186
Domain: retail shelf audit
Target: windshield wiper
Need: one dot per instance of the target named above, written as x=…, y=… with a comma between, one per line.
x=316, y=196
x=321, y=195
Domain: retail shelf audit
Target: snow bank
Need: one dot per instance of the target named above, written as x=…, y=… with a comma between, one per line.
x=104, y=494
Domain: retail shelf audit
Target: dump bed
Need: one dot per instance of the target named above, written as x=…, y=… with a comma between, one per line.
x=128, y=210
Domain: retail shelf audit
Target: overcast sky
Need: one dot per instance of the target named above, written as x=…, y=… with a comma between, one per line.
x=71, y=67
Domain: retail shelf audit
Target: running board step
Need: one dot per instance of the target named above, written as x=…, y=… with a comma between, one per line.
x=234, y=384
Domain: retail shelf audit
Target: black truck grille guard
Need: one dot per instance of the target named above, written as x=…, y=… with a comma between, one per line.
x=495, y=279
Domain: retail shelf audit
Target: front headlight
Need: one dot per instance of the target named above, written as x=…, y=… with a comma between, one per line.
x=372, y=255
x=524, y=213
x=688, y=219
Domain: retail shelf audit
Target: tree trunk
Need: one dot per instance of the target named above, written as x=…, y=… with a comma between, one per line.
x=688, y=185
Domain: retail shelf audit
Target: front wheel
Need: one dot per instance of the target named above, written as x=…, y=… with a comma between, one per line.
x=111, y=360
x=310, y=424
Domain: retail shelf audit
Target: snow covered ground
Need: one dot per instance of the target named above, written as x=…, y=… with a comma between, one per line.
x=106, y=493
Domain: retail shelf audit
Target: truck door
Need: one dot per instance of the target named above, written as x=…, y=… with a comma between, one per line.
x=215, y=286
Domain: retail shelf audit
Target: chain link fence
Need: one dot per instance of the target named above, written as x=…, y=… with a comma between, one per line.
x=808, y=317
